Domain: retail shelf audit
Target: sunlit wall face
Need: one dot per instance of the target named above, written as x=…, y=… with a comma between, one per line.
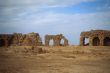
x=69, y=17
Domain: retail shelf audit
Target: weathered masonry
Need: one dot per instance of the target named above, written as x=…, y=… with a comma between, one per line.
x=4, y=39
x=95, y=38
x=88, y=38
x=18, y=39
x=56, y=40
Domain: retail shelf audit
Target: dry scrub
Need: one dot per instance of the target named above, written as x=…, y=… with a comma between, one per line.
x=71, y=59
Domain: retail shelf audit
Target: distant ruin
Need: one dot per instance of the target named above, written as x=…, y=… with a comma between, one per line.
x=18, y=39
x=95, y=38
x=56, y=40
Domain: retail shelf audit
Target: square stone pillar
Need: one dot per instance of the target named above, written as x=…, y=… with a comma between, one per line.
x=6, y=43
x=90, y=41
x=46, y=42
x=81, y=41
x=101, y=41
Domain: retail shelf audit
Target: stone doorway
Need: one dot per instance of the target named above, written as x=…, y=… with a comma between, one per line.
x=51, y=42
x=62, y=42
x=106, y=41
x=86, y=41
x=96, y=41
x=2, y=42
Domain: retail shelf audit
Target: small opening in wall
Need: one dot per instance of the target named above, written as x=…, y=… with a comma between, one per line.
x=106, y=41
x=96, y=41
x=2, y=42
x=86, y=41
x=62, y=42
x=51, y=43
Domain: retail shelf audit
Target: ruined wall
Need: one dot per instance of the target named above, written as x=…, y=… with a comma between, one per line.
x=96, y=38
x=4, y=39
x=18, y=39
x=56, y=40
x=32, y=39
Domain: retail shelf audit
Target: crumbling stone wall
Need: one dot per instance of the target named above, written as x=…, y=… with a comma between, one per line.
x=32, y=39
x=19, y=39
x=96, y=38
x=4, y=39
x=56, y=40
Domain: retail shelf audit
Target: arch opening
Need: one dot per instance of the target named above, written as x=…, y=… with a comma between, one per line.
x=2, y=42
x=51, y=42
x=86, y=41
x=96, y=41
x=107, y=41
x=62, y=42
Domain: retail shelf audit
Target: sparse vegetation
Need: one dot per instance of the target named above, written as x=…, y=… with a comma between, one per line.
x=71, y=59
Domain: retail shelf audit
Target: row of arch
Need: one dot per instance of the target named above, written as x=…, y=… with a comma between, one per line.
x=51, y=42
x=96, y=41
x=55, y=40
x=4, y=42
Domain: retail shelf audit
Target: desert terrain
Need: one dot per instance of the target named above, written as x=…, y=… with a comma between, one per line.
x=70, y=59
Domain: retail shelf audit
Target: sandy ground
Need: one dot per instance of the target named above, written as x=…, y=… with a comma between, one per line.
x=72, y=59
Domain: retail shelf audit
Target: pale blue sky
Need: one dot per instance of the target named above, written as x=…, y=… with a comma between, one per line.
x=69, y=17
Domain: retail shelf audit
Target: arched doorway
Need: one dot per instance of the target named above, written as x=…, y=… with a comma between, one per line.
x=107, y=41
x=2, y=42
x=62, y=42
x=51, y=42
x=96, y=41
x=86, y=41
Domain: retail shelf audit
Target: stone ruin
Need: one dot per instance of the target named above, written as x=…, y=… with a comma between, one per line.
x=95, y=38
x=18, y=39
x=31, y=39
x=56, y=40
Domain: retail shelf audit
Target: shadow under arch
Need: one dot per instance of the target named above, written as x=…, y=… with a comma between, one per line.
x=2, y=42
x=107, y=41
x=96, y=41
